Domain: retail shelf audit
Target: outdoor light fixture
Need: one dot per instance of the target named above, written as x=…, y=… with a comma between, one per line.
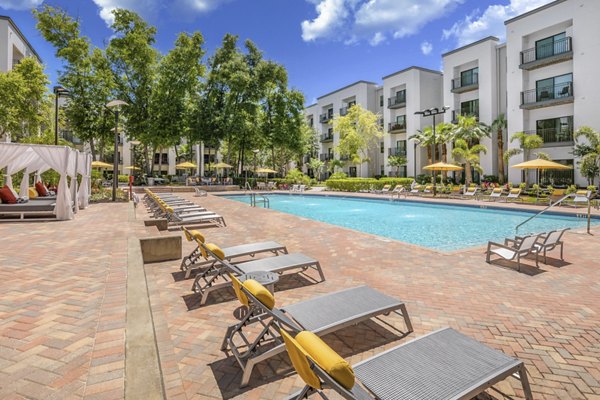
x=427, y=113
x=116, y=104
x=58, y=92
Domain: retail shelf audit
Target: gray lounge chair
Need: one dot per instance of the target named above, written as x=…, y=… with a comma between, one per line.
x=197, y=219
x=217, y=276
x=514, y=250
x=548, y=242
x=444, y=364
x=200, y=259
x=321, y=315
x=495, y=195
x=513, y=195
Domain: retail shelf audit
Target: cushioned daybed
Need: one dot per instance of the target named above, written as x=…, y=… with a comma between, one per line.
x=36, y=208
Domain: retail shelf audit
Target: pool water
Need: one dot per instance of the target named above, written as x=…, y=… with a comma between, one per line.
x=436, y=226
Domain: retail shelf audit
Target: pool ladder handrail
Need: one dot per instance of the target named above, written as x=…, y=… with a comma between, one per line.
x=552, y=205
x=263, y=199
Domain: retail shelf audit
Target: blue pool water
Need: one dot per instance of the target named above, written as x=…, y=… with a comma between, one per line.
x=436, y=226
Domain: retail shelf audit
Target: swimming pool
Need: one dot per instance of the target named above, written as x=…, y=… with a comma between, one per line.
x=436, y=226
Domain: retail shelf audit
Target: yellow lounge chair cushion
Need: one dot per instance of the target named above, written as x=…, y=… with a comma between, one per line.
x=514, y=191
x=237, y=287
x=497, y=190
x=260, y=292
x=581, y=192
x=327, y=358
x=299, y=359
x=216, y=250
x=32, y=193
x=196, y=235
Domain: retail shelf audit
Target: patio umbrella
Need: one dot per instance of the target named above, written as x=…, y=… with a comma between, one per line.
x=265, y=171
x=133, y=168
x=442, y=166
x=100, y=164
x=185, y=165
x=539, y=164
x=221, y=165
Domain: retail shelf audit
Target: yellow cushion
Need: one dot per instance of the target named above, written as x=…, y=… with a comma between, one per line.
x=197, y=236
x=582, y=192
x=216, y=250
x=327, y=358
x=169, y=210
x=497, y=190
x=260, y=292
x=299, y=359
x=471, y=189
x=514, y=191
x=32, y=193
x=237, y=287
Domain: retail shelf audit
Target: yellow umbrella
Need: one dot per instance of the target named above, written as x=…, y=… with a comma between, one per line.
x=133, y=168
x=185, y=165
x=442, y=166
x=265, y=171
x=100, y=164
x=221, y=165
x=541, y=164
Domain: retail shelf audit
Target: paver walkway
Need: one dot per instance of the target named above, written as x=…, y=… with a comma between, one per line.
x=550, y=318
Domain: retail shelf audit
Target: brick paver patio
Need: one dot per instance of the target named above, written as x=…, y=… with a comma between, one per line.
x=62, y=306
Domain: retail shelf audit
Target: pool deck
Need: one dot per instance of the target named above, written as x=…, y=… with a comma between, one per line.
x=63, y=305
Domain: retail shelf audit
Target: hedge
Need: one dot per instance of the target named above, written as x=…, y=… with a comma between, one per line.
x=358, y=184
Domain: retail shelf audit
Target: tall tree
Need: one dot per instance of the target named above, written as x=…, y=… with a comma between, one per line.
x=527, y=143
x=470, y=131
x=469, y=155
x=589, y=152
x=499, y=125
x=359, y=131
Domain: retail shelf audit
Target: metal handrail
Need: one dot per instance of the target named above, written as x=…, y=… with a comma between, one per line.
x=552, y=205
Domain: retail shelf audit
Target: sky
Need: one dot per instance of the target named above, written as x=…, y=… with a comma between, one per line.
x=324, y=44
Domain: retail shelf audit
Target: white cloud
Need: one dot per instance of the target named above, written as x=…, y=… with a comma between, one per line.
x=426, y=48
x=372, y=20
x=331, y=16
x=19, y=4
x=202, y=5
x=489, y=23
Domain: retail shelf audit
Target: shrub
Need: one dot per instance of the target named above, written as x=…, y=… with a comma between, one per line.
x=123, y=178
x=423, y=179
x=592, y=188
x=296, y=176
x=571, y=189
x=358, y=184
x=490, y=178
x=338, y=175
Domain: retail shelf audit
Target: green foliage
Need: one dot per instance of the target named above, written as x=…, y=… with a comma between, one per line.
x=571, y=189
x=358, y=184
x=397, y=162
x=589, y=152
x=469, y=155
x=103, y=195
x=317, y=166
x=338, y=175
x=296, y=176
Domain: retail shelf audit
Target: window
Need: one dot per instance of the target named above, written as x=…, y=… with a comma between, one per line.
x=330, y=131
x=330, y=113
x=311, y=123
x=550, y=46
x=470, y=108
x=401, y=120
x=556, y=177
x=157, y=158
x=401, y=96
x=352, y=172
x=555, y=129
x=401, y=146
x=381, y=147
x=351, y=103
x=469, y=77
x=381, y=101
x=554, y=88
x=403, y=173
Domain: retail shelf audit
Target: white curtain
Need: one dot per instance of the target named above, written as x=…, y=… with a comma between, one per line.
x=9, y=152
x=38, y=166
x=84, y=167
x=18, y=163
x=58, y=159
x=72, y=171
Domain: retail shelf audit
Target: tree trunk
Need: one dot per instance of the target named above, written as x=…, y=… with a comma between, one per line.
x=468, y=176
x=93, y=149
x=501, y=177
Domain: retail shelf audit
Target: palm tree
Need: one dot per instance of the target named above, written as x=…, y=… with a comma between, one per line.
x=589, y=152
x=498, y=126
x=333, y=164
x=468, y=155
x=397, y=162
x=424, y=138
x=317, y=167
x=527, y=143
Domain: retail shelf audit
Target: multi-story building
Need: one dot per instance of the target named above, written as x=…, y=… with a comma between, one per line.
x=404, y=93
x=14, y=46
x=475, y=85
x=552, y=56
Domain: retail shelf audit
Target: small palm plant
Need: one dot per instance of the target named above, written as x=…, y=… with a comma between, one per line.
x=397, y=162
x=468, y=155
x=589, y=152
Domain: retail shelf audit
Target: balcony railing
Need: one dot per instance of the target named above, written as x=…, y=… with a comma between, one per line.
x=325, y=118
x=396, y=127
x=397, y=102
x=546, y=54
x=464, y=84
x=343, y=111
x=553, y=135
x=326, y=157
x=396, y=151
x=548, y=95
x=327, y=137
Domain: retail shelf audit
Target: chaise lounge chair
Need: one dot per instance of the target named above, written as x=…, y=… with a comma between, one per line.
x=547, y=242
x=174, y=218
x=217, y=275
x=199, y=258
x=494, y=195
x=513, y=195
x=443, y=364
x=321, y=315
x=514, y=250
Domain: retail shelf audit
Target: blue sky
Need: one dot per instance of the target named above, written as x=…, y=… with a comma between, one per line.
x=324, y=44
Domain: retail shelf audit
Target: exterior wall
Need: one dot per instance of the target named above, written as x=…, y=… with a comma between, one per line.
x=578, y=19
x=13, y=45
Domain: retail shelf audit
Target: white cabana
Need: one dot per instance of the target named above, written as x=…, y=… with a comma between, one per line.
x=40, y=158
x=84, y=168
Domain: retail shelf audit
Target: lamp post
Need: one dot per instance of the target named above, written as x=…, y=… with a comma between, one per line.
x=58, y=92
x=132, y=144
x=433, y=112
x=116, y=104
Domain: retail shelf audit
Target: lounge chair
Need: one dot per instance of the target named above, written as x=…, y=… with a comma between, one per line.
x=399, y=190
x=217, y=276
x=321, y=315
x=513, y=195
x=39, y=208
x=261, y=186
x=271, y=186
x=514, y=250
x=200, y=192
x=295, y=188
x=547, y=242
x=415, y=190
x=581, y=197
x=383, y=190
x=471, y=192
x=443, y=364
x=494, y=195
x=199, y=258
x=427, y=191
x=194, y=219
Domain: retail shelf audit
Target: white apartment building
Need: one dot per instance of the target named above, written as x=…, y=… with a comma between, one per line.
x=552, y=56
x=475, y=85
x=14, y=46
x=405, y=92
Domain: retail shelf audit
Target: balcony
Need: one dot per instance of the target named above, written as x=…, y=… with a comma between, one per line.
x=326, y=157
x=396, y=151
x=397, y=102
x=465, y=114
x=325, y=118
x=395, y=127
x=462, y=85
x=552, y=95
x=547, y=54
x=327, y=137
x=554, y=137
x=344, y=111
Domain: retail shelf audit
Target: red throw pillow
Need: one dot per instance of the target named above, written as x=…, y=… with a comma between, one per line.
x=7, y=196
x=41, y=189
